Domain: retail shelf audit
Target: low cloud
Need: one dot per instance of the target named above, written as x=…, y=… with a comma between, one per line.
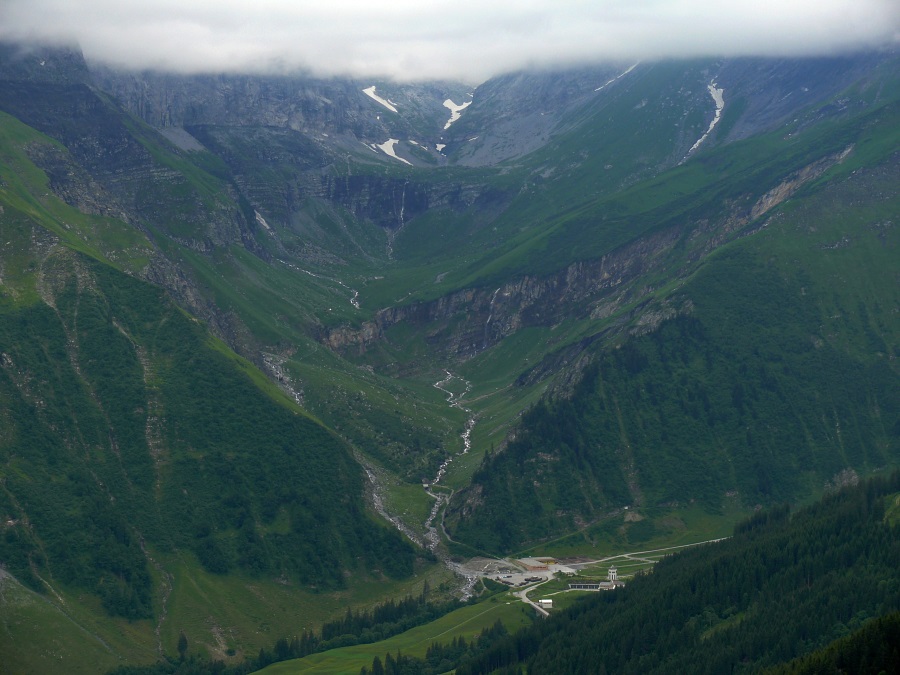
x=466, y=40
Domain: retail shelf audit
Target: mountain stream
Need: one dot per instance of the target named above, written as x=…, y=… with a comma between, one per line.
x=432, y=536
x=354, y=294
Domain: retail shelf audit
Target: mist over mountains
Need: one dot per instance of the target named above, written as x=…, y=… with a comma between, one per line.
x=464, y=40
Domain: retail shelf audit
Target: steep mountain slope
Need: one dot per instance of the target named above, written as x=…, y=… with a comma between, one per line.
x=139, y=453
x=688, y=321
x=331, y=112
x=870, y=650
x=768, y=369
x=124, y=425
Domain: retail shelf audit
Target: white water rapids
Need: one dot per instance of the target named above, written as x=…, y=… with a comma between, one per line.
x=432, y=536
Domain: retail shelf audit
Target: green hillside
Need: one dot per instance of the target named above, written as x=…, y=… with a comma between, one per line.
x=772, y=368
x=780, y=588
x=238, y=358
x=130, y=435
x=871, y=649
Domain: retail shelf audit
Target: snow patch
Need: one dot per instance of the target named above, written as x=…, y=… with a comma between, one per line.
x=718, y=96
x=440, y=146
x=181, y=138
x=455, y=111
x=262, y=221
x=370, y=92
x=620, y=75
x=388, y=148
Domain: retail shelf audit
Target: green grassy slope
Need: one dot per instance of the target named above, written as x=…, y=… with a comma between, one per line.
x=140, y=455
x=139, y=449
x=466, y=622
x=778, y=373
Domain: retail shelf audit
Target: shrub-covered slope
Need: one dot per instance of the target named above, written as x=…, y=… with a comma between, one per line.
x=126, y=426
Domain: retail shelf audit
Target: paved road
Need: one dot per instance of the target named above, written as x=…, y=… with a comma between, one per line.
x=523, y=596
x=523, y=593
x=639, y=553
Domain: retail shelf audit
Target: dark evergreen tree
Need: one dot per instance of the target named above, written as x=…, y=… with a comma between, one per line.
x=182, y=645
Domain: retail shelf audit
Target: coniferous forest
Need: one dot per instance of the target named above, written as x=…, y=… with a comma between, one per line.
x=782, y=587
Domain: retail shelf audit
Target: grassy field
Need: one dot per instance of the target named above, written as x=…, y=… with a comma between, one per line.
x=466, y=622
x=674, y=527
x=223, y=617
x=221, y=613
x=76, y=639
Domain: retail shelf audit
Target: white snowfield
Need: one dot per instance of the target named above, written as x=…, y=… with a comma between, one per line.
x=388, y=148
x=370, y=92
x=719, y=97
x=620, y=75
x=261, y=220
x=440, y=146
x=455, y=111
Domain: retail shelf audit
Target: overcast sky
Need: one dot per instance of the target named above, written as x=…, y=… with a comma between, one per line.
x=467, y=40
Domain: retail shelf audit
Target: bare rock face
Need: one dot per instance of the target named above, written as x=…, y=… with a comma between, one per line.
x=770, y=91
x=469, y=321
x=106, y=169
x=41, y=63
x=167, y=100
x=71, y=183
x=313, y=106
x=512, y=115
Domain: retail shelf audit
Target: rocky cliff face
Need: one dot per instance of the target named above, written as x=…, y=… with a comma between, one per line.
x=313, y=106
x=136, y=178
x=277, y=169
x=512, y=115
x=469, y=321
x=465, y=323
x=167, y=100
x=769, y=92
x=392, y=202
x=41, y=63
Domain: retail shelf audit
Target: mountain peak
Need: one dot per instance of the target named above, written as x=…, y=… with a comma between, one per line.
x=43, y=63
